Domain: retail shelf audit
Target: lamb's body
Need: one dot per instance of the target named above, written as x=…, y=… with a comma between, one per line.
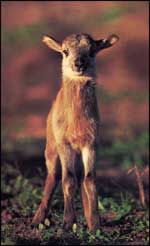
x=74, y=115
x=72, y=127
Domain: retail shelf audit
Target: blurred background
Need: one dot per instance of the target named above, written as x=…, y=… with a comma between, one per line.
x=31, y=73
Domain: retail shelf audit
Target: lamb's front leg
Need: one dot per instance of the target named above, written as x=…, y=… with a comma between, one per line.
x=67, y=157
x=89, y=183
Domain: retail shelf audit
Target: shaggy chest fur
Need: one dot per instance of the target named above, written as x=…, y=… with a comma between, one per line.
x=81, y=113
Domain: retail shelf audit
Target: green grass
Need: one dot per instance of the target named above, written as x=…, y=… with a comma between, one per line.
x=123, y=220
x=24, y=36
x=110, y=15
x=125, y=153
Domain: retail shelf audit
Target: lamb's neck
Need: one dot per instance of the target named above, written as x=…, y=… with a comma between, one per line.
x=79, y=97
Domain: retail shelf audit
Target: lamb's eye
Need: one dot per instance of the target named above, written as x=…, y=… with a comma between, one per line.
x=66, y=52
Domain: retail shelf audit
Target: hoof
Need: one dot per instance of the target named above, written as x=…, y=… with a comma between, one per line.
x=67, y=226
x=94, y=225
x=94, y=229
x=38, y=217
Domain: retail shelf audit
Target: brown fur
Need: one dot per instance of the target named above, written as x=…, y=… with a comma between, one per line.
x=72, y=127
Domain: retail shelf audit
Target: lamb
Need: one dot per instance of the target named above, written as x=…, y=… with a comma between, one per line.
x=73, y=127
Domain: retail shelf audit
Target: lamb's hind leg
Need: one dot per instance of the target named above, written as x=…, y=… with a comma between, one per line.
x=52, y=179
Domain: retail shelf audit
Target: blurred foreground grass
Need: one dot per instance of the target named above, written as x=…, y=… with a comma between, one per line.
x=123, y=220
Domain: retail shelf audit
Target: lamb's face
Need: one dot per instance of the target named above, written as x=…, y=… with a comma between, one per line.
x=79, y=51
x=78, y=55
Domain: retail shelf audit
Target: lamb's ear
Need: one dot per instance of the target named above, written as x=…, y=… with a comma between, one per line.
x=52, y=43
x=106, y=43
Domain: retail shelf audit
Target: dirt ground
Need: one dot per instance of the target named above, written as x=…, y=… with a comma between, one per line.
x=123, y=220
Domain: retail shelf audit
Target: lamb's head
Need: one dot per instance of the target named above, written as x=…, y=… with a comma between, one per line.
x=79, y=52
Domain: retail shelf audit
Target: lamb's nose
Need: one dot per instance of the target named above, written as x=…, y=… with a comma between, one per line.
x=79, y=64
